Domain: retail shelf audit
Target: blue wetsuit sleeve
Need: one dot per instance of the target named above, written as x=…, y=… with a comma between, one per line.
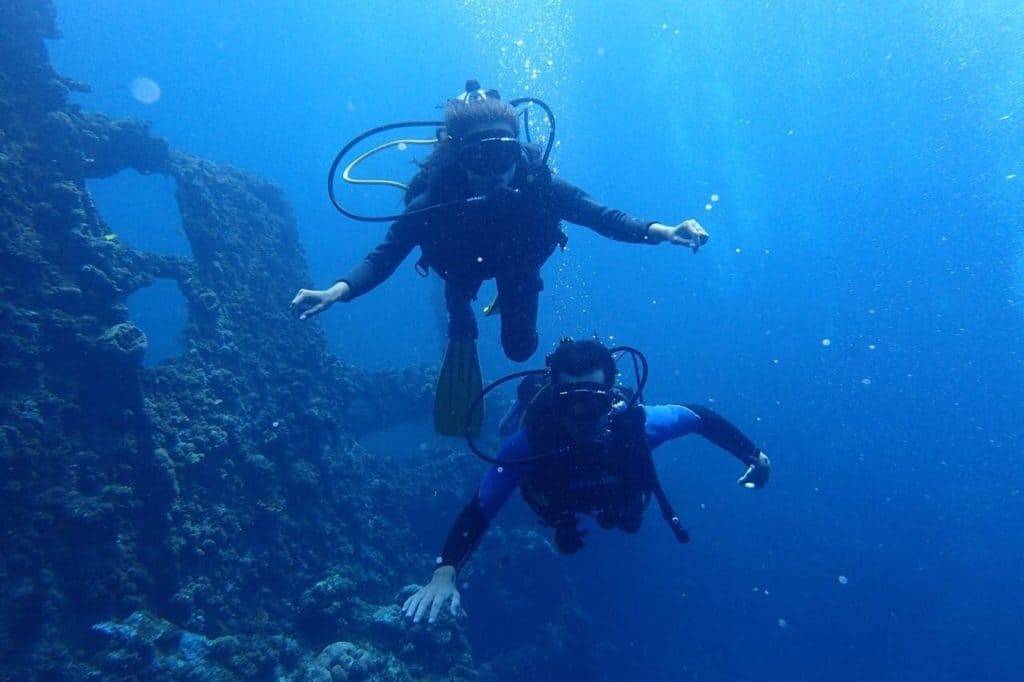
x=495, y=489
x=667, y=422
x=501, y=480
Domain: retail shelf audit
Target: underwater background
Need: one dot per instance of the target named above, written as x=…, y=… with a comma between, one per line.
x=858, y=311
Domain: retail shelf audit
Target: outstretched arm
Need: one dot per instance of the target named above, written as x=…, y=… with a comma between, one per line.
x=378, y=265
x=666, y=422
x=576, y=206
x=495, y=489
x=467, y=531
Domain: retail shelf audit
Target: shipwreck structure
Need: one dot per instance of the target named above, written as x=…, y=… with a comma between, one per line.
x=213, y=517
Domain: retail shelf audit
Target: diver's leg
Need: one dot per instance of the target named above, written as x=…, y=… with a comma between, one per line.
x=520, y=295
x=458, y=298
x=439, y=309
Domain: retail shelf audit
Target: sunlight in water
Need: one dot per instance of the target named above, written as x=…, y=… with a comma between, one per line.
x=531, y=44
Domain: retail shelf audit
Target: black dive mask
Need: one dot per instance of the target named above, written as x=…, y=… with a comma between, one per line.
x=583, y=403
x=490, y=156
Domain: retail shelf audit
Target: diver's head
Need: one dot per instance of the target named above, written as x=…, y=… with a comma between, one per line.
x=484, y=132
x=582, y=378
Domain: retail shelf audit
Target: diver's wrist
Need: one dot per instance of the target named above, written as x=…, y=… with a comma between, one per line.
x=657, y=233
x=446, y=572
x=340, y=291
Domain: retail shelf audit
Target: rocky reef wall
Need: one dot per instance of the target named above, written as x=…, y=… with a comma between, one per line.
x=214, y=517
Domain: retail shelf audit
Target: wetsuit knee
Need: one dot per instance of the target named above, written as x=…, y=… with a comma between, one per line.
x=568, y=539
x=519, y=298
x=519, y=344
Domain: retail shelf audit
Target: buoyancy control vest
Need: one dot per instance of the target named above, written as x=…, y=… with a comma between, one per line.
x=513, y=230
x=612, y=478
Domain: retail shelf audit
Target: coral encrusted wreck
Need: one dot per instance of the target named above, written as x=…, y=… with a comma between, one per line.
x=214, y=517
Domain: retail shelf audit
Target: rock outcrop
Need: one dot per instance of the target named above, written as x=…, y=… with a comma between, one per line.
x=214, y=517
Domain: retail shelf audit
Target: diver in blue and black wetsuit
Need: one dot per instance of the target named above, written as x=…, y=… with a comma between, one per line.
x=486, y=206
x=583, y=448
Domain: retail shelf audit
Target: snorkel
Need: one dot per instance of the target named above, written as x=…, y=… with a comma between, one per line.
x=473, y=93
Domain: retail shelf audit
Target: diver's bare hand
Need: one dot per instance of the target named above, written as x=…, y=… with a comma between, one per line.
x=687, y=233
x=310, y=302
x=757, y=474
x=432, y=597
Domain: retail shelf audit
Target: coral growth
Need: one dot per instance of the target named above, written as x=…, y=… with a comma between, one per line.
x=213, y=517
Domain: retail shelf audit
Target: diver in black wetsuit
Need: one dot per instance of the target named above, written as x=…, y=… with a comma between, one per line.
x=507, y=238
x=583, y=448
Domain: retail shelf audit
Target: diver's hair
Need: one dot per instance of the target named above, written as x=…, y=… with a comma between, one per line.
x=582, y=357
x=440, y=167
x=459, y=117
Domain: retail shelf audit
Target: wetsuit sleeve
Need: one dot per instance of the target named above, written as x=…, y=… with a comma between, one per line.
x=495, y=489
x=379, y=264
x=465, y=535
x=576, y=206
x=665, y=422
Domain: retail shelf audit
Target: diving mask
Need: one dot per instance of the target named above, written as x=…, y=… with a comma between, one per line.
x=490, y=155
x=583, y=403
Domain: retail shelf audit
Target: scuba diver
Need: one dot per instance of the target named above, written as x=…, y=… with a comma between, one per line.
x=583, y=447
x=483, y=206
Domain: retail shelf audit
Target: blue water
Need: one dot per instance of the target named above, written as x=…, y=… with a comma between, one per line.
x=858, y=310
